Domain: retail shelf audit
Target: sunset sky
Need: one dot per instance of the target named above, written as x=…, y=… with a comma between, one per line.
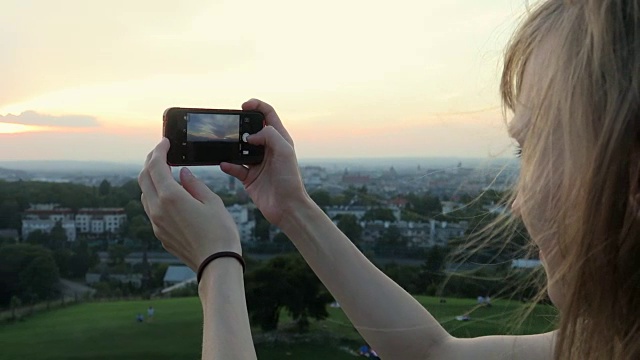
x=89, y=80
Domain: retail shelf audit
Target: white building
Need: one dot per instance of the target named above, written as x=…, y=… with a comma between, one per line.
x=44, y=217
x=239, y=213
x=418, y=234
x=525, y=263
x=29, y=226
x=100, y=220
x=359, y=211
x=242, y=218
x=313, y=176
x=177, y=274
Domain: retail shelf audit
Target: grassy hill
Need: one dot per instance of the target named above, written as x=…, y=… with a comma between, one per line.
x=109, y=331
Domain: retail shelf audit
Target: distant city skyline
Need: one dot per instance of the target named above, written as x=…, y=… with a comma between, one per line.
x=403, y=79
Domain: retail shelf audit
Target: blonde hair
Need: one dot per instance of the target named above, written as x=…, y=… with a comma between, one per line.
x=585, y=120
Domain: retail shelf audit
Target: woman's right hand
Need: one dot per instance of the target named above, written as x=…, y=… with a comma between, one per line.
x=275, y=185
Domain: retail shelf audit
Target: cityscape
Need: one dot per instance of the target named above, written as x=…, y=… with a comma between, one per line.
x=393, y=213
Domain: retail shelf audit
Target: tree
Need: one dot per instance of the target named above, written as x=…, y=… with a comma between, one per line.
x=15, y=303
x=405, y=276
x=281, y=238
x=58, y=237
x=10, y=214
x=262, y=228
x=63, y=261
x=391, y=241
x=321, y=198
x=157, y=275
x=436, y=256
x=349, y=226
x=105, y=188
x=117, y=253
x=40, y=277
x=393, y=237
x=285, y=283
x=381, y=214
x=130, y=190
x=27, y=271
x=38, y=237
x=140, y=229
x=431, y=273
x=82, y=260
x=421, y=207
x=133, y=209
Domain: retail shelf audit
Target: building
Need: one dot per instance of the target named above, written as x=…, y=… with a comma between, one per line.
x=98, y=221
x=243, y=219
x=417, y=234
x=357, y=211
x=441, y=231
x=87, y=221
x=134, y=279
x=313, y=176
x=177, y=274
x=356, y=180
x=525, y=263
x=153, y=257
x=373, y=230
x=44, y=217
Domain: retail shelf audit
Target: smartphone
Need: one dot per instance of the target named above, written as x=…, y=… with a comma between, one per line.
x=212, y=136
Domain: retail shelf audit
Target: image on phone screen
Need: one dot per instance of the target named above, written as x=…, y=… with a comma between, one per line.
x=212, y=127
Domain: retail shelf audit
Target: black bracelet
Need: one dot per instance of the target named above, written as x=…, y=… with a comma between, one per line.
x=219, y=255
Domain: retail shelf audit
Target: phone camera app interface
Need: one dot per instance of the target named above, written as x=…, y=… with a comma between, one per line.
x=212, y=127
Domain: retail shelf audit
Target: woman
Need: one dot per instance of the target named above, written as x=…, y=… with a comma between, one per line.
x=571, y=77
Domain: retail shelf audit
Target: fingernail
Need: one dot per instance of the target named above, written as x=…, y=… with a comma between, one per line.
x=186, y=172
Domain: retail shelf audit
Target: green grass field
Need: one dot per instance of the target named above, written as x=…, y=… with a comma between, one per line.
x=109, y=331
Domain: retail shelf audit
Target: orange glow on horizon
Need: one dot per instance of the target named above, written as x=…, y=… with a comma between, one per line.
x=16, y=129
x=9, y=128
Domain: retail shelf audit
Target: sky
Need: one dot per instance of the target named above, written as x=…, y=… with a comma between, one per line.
x=90, y=80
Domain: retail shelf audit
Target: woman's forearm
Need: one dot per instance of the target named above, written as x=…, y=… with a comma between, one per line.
x=226, y=333
x=389, y=318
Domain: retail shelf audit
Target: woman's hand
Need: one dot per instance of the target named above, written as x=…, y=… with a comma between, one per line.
x=274, y=185
x=190, y=220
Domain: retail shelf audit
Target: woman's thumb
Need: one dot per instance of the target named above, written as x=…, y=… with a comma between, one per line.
x=270, y=138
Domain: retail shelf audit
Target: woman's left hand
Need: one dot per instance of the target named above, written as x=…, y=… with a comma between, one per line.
x=190, y=220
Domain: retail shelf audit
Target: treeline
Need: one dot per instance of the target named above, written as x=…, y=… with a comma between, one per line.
x=16, y=197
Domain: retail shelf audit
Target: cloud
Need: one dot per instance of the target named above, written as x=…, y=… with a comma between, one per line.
x=65, y=121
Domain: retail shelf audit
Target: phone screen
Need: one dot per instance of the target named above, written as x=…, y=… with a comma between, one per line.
x=211, y=136
x=212, y=127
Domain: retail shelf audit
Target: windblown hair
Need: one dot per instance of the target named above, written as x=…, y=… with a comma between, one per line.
x=581, y=164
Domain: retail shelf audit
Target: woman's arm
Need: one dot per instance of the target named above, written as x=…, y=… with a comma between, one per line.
x=227, y=333
x=389, y=318
x=192, y=223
